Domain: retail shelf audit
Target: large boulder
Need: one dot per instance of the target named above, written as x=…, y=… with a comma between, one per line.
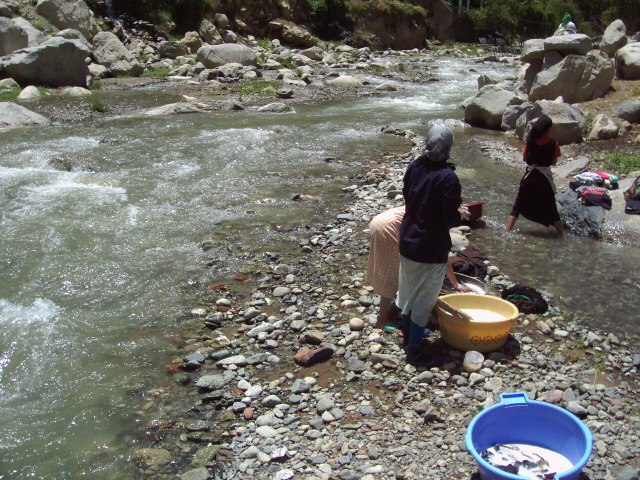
x=580, y=220
x=209, y=33
x=527, y=75
x=213, y=56
x=12, y=37
x=573, y=44
x=297, y=36
x=577, y=78
x=568, y=121
x=110, y=52
x=35, y=36
x=172, y=49
x=14, y=114
x=532, y=50
x=69, y=14
x=512, y=113
x=628, y=62
x=9, y=7
x=345, y=81
x=628, y=110
x=57, y=62
x=487, y=107
x=614, y=38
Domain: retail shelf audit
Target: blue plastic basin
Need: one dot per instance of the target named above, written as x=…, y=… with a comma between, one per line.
x=520, y=420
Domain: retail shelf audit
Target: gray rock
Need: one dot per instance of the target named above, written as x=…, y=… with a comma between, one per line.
x=572, y=168
x=213, y=56
x=174, y=109
x=576, y=79
x=237, y=360
x=577, y=409
x=58, y=62
x=629, y=110
x=573, y=44
x=324, y=403
x=299, y=386
x=512, y=113
x=213, y=382
x=12, y=37
x=14, y=114
x=532, y=50
x=345, y=81
x=568, y=121
x=276, y=107
x=110, y=52
x=628, y=62
x=628, y=472
x=150, y=457
x=69, y=14
x=580, y=220
x=614, y=38
x=200, y=473
x=173, y=49
x=487, y=107
x=603, y=128
x=209, y=33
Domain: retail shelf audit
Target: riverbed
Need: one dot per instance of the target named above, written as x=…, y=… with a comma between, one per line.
x=99, y=262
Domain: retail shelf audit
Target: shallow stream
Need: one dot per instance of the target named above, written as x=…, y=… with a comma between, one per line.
x=97, y=263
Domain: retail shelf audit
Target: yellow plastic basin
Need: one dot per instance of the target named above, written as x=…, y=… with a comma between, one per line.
x=492, y=319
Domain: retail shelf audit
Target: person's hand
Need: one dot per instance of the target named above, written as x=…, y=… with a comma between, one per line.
x=464, y=212
x=462, y=287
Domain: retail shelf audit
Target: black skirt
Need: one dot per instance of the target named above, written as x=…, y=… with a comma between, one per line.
x=536, y=200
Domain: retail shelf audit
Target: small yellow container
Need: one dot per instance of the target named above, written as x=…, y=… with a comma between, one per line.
x=478, y=335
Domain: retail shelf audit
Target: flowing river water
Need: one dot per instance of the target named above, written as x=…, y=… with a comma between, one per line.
x=97, y=263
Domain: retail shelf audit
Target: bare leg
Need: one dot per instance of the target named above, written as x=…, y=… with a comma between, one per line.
x=511, y=221
x=383, y=314
x=558, y=226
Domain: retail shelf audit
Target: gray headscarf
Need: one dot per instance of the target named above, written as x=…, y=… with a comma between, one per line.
x=438, y=143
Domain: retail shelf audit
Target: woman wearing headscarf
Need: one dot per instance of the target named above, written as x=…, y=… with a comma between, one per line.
x=536, y=198
x=432, y=196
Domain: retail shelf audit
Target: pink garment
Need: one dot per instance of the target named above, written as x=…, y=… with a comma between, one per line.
x=384, y=256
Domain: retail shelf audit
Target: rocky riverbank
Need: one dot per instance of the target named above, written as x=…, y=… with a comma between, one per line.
x=239, y=406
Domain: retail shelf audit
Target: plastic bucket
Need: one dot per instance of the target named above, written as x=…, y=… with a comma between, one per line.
x=481, y=336
x=520, y=420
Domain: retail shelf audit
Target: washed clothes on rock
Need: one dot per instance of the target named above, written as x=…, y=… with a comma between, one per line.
x=384, y=257
x=536, y=196
x=432, y=195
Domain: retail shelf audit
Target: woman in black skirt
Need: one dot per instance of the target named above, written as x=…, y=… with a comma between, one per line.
x=536, y=198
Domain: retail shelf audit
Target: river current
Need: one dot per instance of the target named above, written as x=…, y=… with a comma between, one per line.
x=97, y=263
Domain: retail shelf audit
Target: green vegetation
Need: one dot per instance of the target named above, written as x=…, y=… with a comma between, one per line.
x=402, y=68
x=530, y=18
x=266, y=44
x=99, y=107
x=156, y=72
x=622, y=162
x=9, y=95
x=94, y=84
x=377, y=69
x=636, y=91
x=287, y=63
x=256, y=87
x=186, y=14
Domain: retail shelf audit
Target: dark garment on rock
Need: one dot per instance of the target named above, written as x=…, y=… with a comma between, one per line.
x=527, y=299
x=470, y=262
x=596, y=200
x=432, y=195
x=632, y=206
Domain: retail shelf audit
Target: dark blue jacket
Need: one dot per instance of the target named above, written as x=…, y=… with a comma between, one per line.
x=432, y=196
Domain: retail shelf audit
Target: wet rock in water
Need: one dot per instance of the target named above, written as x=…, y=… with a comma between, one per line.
x=152, y=456
x=213, y=382
x=580, y=220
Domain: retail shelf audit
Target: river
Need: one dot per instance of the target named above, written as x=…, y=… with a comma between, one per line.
x=97, y=263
